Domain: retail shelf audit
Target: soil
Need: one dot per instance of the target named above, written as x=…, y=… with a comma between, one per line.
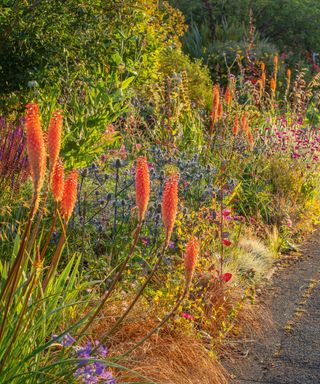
x=288, y=349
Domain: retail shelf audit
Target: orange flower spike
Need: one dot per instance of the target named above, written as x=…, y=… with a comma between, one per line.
x=228, y=96
x=220, y=111
x=250, y=140
x=288, y=75
x=263, y=79
x=190, y=258
x=273, y=85
x=142, y=186
x=263, y=67
x=215, y=101
x=235, y=128
x=54, y=138
x=69, y=196
x=275, y=62
x=35, y=147
x=169, y=206
x=57, y=181
x=244, y=122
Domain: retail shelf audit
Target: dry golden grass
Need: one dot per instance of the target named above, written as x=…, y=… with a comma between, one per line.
x=176, y=354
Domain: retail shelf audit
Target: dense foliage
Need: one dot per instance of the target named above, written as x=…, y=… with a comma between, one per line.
x=143, y=203
x=219, y=28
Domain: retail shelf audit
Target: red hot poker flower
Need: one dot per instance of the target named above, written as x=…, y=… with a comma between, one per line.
x=142, y=186
x=69, y=196
x=57, y=181
x=54, y=138
x=35, y=148
x=228, y=96
x=190, y=258
x=169, y=206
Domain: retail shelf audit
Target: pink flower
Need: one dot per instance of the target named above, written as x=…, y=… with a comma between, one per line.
x=187, y=316
x=138, y=147
x=226, y=277
x=289, y=223
x=226, y=212
x=226, y=242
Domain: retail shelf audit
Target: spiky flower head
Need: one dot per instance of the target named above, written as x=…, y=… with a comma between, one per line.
x=250, y=139
x=190, y=257
x=288, y=75
x=235, y=128
x=215, y=105
x=54, y=138
x=244, y=122
x=220, y=111
x=273, y=85
x=36, y=149
x=142, y=186
x=57, y=181
x=169, y=206
x=69, y=196
x=228, y=96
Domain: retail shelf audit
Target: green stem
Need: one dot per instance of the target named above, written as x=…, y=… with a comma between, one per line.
x=54, y=219
x=116, y=279
x=142, y=288
x=56, y=257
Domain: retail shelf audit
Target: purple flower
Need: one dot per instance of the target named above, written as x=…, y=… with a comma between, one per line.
x=65, y=340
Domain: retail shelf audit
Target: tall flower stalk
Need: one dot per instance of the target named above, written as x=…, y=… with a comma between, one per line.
x=190, y=257
x=37, y=159
x=142, y=185
x=169, y=212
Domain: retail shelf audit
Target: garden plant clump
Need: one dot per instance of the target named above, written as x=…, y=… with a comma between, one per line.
x=143, y=203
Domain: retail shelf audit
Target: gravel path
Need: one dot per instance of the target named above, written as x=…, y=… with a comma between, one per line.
x=288, y=352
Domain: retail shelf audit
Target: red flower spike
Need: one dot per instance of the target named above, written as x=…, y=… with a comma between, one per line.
x=54, y=138
x=142, y=186
x=169, y=206
x=69, y=197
